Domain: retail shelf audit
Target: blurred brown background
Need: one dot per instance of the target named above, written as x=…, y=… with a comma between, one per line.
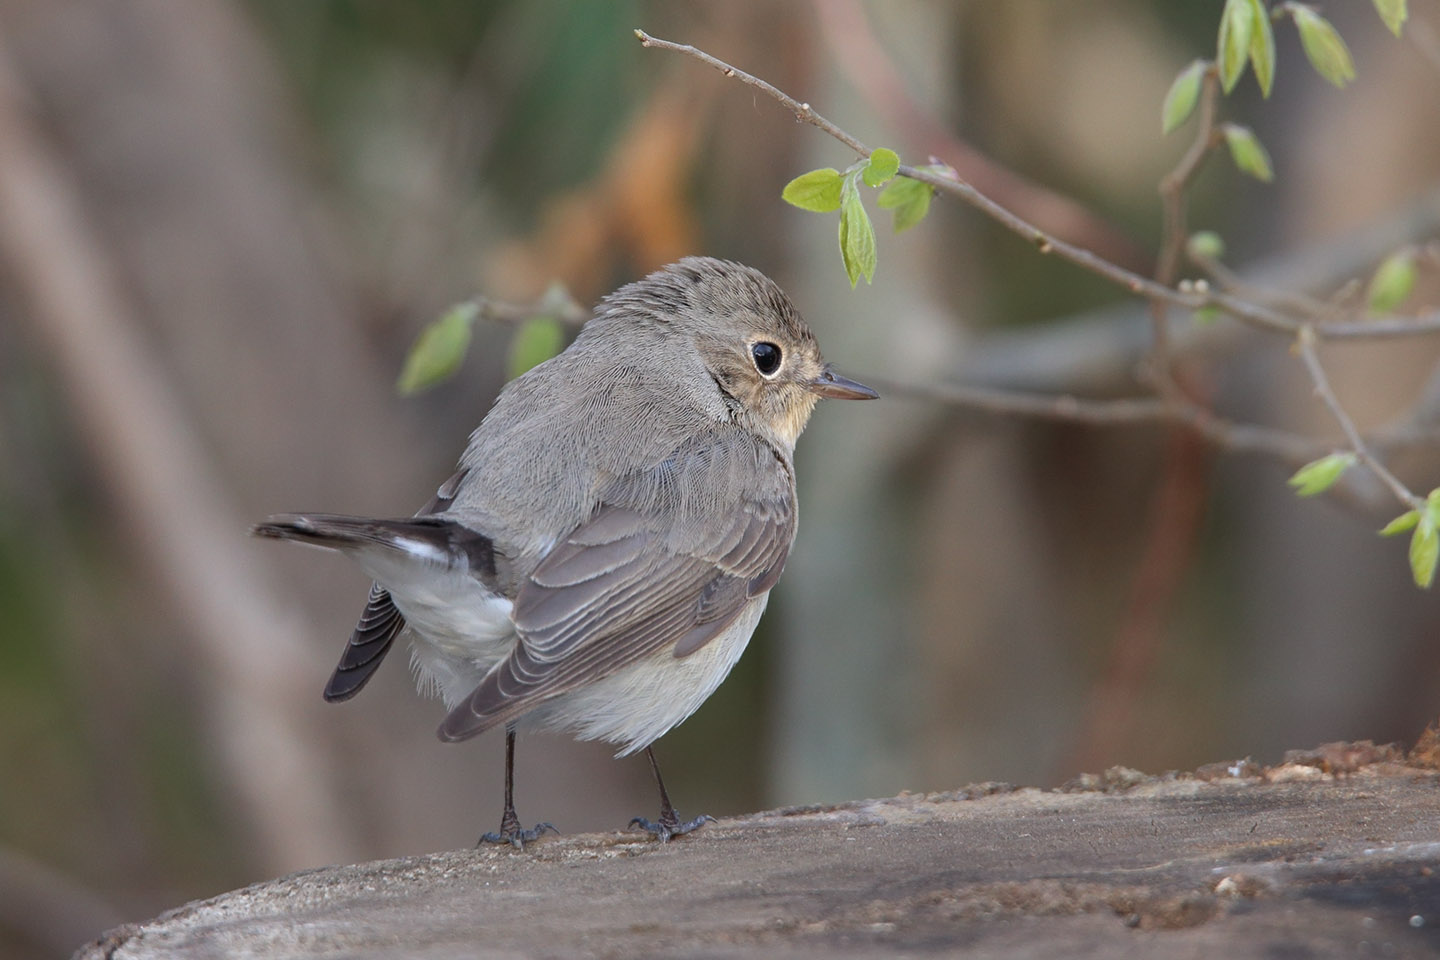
x=222, y=223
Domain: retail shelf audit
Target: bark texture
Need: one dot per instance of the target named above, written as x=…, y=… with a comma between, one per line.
x=1333, y=853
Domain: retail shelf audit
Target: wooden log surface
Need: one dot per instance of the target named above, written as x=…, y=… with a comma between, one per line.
x=1334, y=853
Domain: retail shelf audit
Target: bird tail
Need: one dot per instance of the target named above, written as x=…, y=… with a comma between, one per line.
x=430, y=539
x=398, y=554
x=326, y=530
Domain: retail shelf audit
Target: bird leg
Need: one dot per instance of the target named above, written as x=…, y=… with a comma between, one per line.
x=510, y=830
x=669, y=824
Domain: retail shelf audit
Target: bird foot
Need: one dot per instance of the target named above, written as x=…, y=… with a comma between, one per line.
x=511, y=833
x=670, y=825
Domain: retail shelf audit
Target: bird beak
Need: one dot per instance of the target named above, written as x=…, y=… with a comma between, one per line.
x=831, y=384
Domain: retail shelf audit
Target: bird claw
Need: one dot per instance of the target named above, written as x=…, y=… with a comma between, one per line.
x=516, y=837
x=670, y=826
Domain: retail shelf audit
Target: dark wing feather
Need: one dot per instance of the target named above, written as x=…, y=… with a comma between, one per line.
x=626, y=584
x=381, y=622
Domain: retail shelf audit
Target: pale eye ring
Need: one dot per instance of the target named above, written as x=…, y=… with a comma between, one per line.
x=767, y=357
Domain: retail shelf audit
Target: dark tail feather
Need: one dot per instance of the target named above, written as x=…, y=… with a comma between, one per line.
x=464, y=546
x=324, y=529
x=379, y=625
x=443, y=540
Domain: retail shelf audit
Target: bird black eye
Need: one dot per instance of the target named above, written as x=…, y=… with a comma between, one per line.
x=767, y=357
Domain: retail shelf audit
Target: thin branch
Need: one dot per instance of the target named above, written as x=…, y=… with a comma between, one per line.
x=1065, y=407
x=859, y=55
x=1237, y=437
x=1177, y=502
x=1305, y=344
x=803, y=111
x=1173, y=197
x=1174, y=185
x=1192, y=299
x=1317, y=310
x=1379, y=328
x=556, y=303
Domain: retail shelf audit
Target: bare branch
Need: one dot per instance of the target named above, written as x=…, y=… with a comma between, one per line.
x=1173, y=195
x=1305, y=344
x=803, y=111
x=1232, y=282
x=1237, y=437
x=505, y=313
x=178, y=509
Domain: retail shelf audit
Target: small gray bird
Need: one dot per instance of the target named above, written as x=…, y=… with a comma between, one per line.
x=600, y=559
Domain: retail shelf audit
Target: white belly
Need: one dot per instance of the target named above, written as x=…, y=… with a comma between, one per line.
x=640, y=703
x=460, y=631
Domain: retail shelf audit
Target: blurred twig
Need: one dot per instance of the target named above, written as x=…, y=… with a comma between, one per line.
x=1305, y=343
x=168, y=496
x=1287, y=300
x=1105, y=344
x=1174, y=190
x=555, y=302
x=873, y=74
x=1239, y=437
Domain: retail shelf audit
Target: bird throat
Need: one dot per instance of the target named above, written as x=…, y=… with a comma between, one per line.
x=794, y=414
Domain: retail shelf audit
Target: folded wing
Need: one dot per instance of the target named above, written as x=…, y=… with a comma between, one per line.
x=657, y=566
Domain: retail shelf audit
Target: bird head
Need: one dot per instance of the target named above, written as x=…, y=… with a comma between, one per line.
x=748, y=336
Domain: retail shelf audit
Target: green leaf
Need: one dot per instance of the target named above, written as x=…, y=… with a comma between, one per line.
x=857, y=235
x=438, y=350
x=1317, y=476
x=1393, y=281
x=1401, y=524
x=1248, y=154
x=1183, y=95
x=882, y=166
x=1394, y=13
x=1432, y=507
x=908, y=199
x=1327, y=52
x=1206, y=315
x=535, y=341
x=817, y=191
x=1205, y=245
x=1237, y=22
x=1262, y=46
x=1424, y=551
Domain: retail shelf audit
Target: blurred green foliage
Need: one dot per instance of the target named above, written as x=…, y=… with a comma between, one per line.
x=552, y=81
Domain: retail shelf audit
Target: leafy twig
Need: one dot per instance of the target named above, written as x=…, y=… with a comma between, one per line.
x=1194, y=299
x=1305, y=345
x=859, y=54
x=1173, y=193
x=1164, y=291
